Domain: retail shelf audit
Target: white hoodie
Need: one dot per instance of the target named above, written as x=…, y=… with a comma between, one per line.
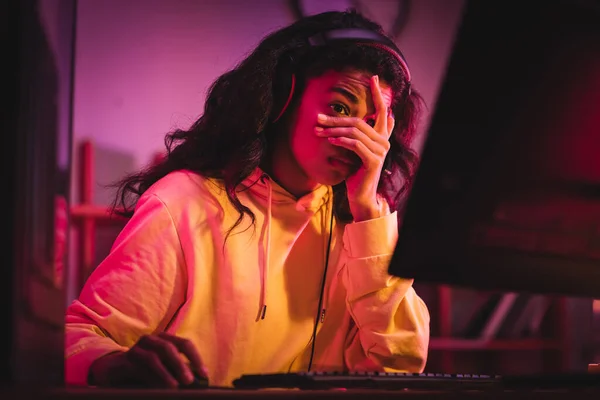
x=171, y=269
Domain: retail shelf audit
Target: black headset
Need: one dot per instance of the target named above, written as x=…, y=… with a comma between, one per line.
x=285, y=83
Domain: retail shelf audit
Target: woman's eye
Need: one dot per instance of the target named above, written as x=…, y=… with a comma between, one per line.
x=339, y=109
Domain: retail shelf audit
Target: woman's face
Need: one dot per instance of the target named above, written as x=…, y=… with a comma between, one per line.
x=305, y=160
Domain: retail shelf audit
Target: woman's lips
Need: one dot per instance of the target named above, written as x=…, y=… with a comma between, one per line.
x=342, y=162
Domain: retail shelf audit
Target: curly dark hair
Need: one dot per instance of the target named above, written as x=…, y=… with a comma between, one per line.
x=229, y=149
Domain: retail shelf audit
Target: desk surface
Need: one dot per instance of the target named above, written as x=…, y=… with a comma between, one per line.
x=223, y=394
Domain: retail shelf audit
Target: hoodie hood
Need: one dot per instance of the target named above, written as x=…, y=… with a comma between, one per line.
x=263, y=186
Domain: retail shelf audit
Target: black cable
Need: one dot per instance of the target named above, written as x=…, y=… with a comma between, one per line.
x=318, y=316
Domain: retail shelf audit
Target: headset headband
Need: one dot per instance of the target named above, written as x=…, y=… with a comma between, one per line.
x=362, y=36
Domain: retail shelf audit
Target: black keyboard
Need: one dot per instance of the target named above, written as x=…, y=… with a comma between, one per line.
x=372, y=380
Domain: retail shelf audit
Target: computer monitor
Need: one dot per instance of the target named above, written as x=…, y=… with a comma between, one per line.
x=507, y=195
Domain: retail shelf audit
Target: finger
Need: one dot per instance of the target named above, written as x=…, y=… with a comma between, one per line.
x=149, y=367
x=350, y=132
x=380, y=106
x=391, y=123
x=170, y=357
x=377, y=147
x=187, y=348
x=328, y=121
x=367, y=158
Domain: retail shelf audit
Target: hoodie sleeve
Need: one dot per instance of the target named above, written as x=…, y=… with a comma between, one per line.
x=391, y=322
x=134, y=291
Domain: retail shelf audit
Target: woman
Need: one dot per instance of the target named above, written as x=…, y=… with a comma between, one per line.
x=261, y=242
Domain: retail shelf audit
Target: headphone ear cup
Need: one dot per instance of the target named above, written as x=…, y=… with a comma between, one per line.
x=283, y=86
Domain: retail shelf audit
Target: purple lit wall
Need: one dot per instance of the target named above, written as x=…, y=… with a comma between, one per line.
x=143, y=66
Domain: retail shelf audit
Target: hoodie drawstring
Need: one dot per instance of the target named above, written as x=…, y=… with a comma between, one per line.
x=304, y=204
x=262, y=310
x=323, y=294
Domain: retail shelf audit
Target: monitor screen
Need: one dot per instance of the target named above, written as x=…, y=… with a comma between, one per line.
x=507, y=195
